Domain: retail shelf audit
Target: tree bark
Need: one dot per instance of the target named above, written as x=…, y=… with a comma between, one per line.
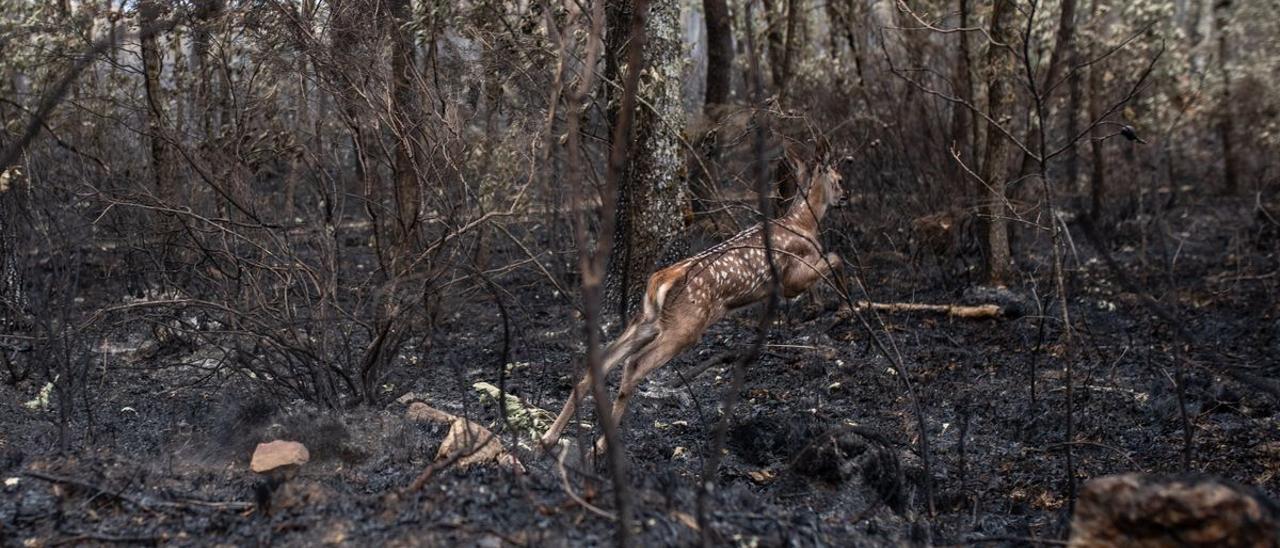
x=653, y=192
x=1098, y=169
x=961, y=123
x=794, y=11
x=719, y=55
x=702, y=185
x=1000, y=64
x=1075, y=102
x=407, y=124
x=1226, y=119
x=776, y=40
x=209, y=11
x=152, y=66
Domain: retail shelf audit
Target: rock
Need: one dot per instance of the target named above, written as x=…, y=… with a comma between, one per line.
x=1146, y=511
x=278, y=454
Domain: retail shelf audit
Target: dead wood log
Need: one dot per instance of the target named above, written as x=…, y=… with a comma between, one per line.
x=466, y=444
x=1145, y=511
x=953, y=310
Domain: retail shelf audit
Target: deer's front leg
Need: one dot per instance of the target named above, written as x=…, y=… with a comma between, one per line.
x=803, y=273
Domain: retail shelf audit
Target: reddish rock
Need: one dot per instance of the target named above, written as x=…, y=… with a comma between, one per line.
x=277, y=454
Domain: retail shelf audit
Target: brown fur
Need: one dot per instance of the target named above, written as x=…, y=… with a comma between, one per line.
x=682, y=300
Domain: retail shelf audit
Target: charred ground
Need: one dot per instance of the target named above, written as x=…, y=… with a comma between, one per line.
x=823, y=448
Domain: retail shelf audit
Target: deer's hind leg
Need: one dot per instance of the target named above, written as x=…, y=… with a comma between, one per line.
x=669, y=343
x=623, y=349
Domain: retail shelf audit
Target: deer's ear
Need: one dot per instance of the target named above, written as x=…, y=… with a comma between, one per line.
x=822, y=154
x=795, y=158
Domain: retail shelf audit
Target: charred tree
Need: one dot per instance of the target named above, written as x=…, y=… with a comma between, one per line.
x=719, y=80
x=775, y=37
x=652, y=192
x=152, y=66
x=406, y=124
x=1098, y=160
x=1226, y=119
x=962, y=126
x=995, y=168
x=201, y=29
x=719, y=54
x=348, y=35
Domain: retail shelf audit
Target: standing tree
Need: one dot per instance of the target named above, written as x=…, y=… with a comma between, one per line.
x=962, y=126
x=1226, y=121
x=719, y=54
x=719, y=29
x=652, y=191
x=1098, y=169
x=995, y=168
x=152, y=68
x=406, y=125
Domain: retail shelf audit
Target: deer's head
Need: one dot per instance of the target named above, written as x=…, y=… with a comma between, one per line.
x=821, y=184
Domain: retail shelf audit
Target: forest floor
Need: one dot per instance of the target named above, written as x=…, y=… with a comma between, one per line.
x=823, y=449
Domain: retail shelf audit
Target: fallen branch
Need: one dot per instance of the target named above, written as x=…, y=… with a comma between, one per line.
x=145, y=503
x=466, y=444
x=954, y=310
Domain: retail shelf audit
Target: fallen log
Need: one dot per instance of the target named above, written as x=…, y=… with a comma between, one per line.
x=1141, y=510
x=466, y=444
x=954, y=310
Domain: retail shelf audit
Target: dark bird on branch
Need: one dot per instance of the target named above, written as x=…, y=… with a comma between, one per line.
x=1131, y=134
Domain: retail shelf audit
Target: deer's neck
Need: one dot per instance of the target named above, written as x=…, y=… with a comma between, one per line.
x=807, y=213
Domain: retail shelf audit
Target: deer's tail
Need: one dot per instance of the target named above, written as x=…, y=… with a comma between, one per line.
x=660, y=284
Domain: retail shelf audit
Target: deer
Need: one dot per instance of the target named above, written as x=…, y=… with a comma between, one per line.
x=682, y=300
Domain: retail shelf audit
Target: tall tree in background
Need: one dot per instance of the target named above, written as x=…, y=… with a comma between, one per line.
x=201, y=28
x=719, y=54
x=783, y=20
x=1226, y=121
x=995, y=168
x=1098, y=160
x=652, y=191
x=962, y=127
x=347, y=40
x=719, y=28
x=406, y=124
x=152, y=67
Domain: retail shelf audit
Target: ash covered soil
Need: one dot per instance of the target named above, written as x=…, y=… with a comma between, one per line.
x=823, y=448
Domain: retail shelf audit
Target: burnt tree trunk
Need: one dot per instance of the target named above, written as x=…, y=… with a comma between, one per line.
x=1098, y=160
x=962, y=126
x=1142, y=510
x=719, y=54
x=776, y=40
x=406, y=125
x=152, y=67
x=705, y=178
x=1226, y=120
x=208, y=12
x=652, y=191
x=1000, y=66
x=790, y=47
